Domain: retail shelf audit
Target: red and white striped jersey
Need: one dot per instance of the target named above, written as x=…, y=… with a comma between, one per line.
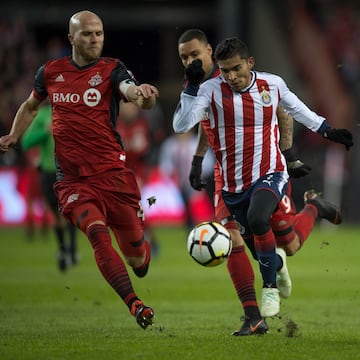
x=245, y=127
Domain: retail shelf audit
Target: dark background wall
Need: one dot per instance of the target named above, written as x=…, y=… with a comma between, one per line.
x=295, y=39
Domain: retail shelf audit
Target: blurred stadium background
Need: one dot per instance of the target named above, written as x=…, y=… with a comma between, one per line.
x=313, y=44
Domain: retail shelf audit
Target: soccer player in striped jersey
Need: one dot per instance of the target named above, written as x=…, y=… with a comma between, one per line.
x=95, y=189
x=196, y=53
x=241, y=107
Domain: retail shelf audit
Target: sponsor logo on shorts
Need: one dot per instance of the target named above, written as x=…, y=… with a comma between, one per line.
x=72, y=198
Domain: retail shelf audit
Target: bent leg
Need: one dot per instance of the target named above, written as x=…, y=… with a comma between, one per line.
x=91, y=221
x=262, y=205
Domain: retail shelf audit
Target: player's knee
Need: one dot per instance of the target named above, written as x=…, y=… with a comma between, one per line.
x=258, y=222
x=86, y=215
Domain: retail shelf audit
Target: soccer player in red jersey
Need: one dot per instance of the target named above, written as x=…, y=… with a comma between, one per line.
x=95, y=189
x=241, y=109
x=136, y=134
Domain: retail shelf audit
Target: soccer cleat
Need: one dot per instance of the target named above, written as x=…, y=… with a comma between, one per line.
x=74, y=258
x=143, y=314
x=62, y=261
x=270, y=302
x=283, y=280
x=326, y=210
x=252, y=327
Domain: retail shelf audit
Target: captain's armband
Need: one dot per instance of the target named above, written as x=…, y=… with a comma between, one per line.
x=125, y=85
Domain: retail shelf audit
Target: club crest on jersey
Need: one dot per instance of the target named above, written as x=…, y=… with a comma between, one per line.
x=95, y=80
x=265, y=97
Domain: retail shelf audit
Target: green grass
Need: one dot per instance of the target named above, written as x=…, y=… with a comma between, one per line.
x=45, y=314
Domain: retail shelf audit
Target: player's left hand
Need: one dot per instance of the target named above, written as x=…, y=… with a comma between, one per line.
x=296, y=168
x=342, y=136
x=195, y=173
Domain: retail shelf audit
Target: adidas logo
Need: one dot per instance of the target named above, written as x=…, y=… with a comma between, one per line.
x=60, y=78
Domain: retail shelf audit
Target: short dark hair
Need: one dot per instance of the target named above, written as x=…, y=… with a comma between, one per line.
x=231, y=47
x=192, y=34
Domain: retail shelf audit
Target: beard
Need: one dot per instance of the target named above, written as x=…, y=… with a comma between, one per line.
x=90, y=55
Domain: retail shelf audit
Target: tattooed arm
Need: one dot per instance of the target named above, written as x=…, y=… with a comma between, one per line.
x=296, y=168
x=286, y=126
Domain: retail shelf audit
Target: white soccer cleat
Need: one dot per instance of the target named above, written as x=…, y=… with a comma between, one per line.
x=283, y=280
x=270, y=302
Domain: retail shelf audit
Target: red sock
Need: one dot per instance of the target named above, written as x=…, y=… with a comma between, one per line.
x=304, y=222
x=142, y=270
x=110, y=263
x=242, y=276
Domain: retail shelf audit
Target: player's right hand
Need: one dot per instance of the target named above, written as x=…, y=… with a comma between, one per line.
x=195, y=173
x=195, y=73
x=6, y=142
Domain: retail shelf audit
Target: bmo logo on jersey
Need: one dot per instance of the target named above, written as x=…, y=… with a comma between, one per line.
x=66, y=98
x=91, y=97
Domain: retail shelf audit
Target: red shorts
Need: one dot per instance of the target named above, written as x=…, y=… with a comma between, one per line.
x=116, y=195
x=282, y=220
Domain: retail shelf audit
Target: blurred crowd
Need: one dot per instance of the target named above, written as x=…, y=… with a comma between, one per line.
x=324, y=39
x=23, y=49
x=21, y=54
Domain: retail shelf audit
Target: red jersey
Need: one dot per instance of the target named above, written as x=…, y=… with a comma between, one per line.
x=135, y=136
x=85, y=107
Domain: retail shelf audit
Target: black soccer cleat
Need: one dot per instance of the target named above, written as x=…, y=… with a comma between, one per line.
x=144, y=315
x=326, y=210
x=62, y=261
x=252, y=327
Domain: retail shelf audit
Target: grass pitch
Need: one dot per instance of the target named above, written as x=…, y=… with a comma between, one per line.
x=45, y=314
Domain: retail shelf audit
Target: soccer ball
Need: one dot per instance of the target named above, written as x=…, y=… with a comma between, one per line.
x=209, y=243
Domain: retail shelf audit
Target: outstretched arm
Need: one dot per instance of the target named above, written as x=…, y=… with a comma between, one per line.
x=23, y=118
x=301, y=113
x=144, y=95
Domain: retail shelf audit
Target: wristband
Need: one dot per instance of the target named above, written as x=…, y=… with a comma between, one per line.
x=197, y=160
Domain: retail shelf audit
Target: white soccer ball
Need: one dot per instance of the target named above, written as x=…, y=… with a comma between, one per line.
x=209, y=243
